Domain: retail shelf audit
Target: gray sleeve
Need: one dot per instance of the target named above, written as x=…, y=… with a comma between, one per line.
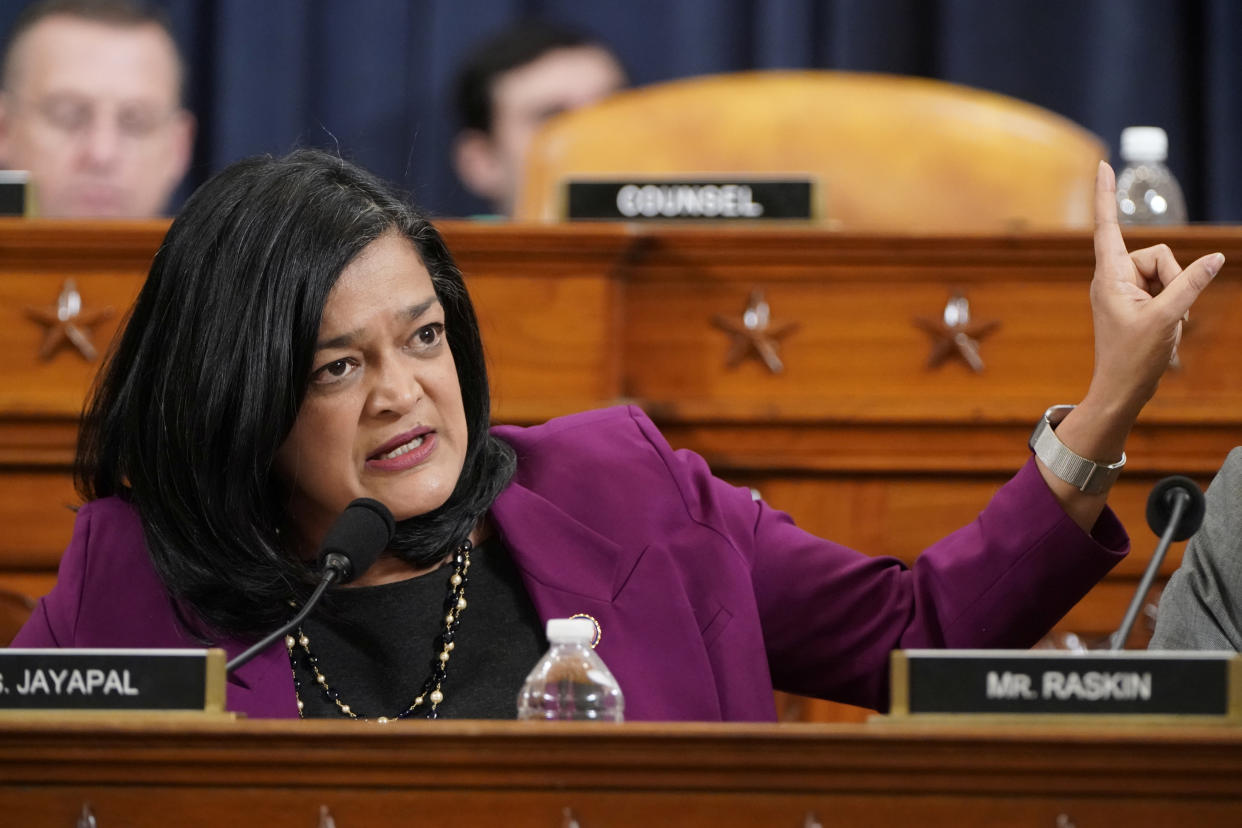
x=1201, y=608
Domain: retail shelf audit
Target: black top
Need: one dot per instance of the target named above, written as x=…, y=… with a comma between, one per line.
x=374, y=643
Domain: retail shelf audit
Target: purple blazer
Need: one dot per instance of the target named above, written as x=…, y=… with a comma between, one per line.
x=706, y=599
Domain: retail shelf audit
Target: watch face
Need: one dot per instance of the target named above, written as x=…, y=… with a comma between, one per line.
x=1056, y=414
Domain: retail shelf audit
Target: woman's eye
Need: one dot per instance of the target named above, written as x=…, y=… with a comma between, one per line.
x=333, y=372
x=429, y=336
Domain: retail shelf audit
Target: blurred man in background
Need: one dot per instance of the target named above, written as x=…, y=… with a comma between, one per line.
x=508, y=86
x=90, y=105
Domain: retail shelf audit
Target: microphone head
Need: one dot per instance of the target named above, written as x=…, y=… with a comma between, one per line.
x=357, y=538
x=1160, y=506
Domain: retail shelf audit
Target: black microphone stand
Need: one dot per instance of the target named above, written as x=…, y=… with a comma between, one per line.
x=1184, y=502
x=349, y=548
x=330, y=576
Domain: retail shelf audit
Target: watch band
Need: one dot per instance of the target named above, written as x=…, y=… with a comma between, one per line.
x=1085, y=475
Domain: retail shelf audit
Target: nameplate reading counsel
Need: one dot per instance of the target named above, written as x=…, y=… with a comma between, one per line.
x=682, y=200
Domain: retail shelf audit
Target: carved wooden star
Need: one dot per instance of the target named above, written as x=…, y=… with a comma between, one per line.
x=66, y=322
x=756, y=334
x=956, y=333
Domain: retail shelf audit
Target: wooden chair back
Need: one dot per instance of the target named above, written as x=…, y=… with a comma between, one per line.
x=888, y=153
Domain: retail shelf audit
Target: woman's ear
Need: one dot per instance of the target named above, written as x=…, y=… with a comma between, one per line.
x=478, y=165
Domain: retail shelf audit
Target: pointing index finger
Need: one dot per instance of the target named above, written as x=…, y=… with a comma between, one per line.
x=1108, y=242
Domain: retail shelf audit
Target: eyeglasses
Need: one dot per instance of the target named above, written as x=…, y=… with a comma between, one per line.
x=74, y=117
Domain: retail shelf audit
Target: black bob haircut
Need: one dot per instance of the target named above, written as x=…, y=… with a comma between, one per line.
x=206, y=381
x=502, y=52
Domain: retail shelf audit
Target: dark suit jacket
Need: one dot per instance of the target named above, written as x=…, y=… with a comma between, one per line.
x=1201, y=607
x=706, y=598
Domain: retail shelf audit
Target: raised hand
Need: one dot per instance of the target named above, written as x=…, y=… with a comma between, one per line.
x=1138, y=302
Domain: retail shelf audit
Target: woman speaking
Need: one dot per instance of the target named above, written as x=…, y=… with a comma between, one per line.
x=304, y=339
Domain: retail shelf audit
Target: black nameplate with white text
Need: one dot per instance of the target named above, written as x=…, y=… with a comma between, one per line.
x=99, y=679
x=1021, y=682
x=14, y=192
x=733, y=199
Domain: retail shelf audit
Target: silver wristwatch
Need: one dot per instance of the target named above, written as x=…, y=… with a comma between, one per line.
x=1079, y=472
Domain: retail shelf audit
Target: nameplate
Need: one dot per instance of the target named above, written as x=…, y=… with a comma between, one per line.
x=14, y=192
x=91, y=679
x=1128, y=683
x=733, y=199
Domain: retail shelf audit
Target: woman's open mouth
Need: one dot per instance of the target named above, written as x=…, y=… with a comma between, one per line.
x=404, y=451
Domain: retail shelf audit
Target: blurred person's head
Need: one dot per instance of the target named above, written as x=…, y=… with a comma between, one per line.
x=508, y=86
x=90, y=105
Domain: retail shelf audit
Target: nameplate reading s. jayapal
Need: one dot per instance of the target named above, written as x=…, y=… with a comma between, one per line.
x=1127, y=683
x=15, y=193
x=647, y=199
x=99, y=679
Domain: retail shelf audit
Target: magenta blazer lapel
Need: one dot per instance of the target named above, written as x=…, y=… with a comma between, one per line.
x=632, y=593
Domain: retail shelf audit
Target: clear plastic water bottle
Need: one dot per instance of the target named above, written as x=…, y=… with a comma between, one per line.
x=1147, y=192
x=571, y=681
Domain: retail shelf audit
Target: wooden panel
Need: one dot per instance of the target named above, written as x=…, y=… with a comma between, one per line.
x=857, y=353
x=852, y=336
x=149, y=807
x=37, y=513
x=565, y=322
x=57, y=385
x=31, y=584
x=136, y=773
x=548, y=307
x=107, y=262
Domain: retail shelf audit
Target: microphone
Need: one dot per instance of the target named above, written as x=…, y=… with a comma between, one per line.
x=356, y=540
x=1175, y=508
x=351, y=546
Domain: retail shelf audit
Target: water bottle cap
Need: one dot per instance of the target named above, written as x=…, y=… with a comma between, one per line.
x=570, y=631
x=1144, y=144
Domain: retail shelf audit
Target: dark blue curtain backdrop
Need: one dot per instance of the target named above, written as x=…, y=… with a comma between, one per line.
x=373, y=77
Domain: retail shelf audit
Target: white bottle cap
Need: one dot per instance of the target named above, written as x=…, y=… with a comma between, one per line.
x=1141, y=144
x=570, y=631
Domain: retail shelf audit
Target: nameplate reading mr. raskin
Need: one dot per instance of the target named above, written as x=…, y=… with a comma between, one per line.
x=1127, y=683
x=99, y=679
x=678, y=200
